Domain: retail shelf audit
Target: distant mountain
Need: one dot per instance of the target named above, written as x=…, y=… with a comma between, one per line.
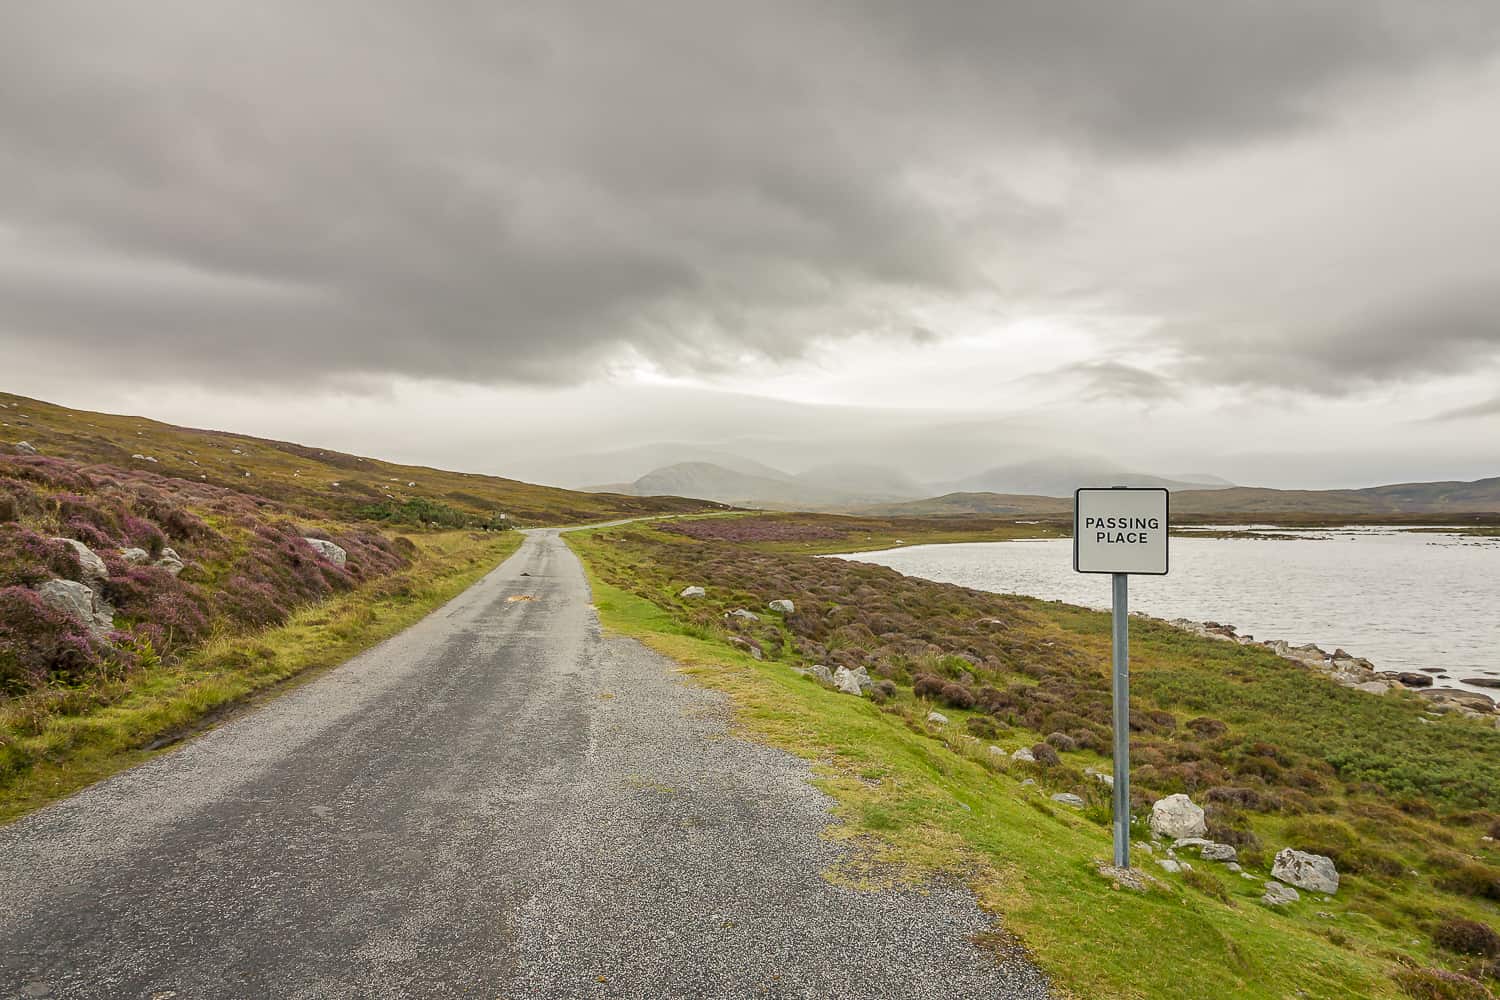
x=823, y=488
x=873, y=481
x=1059, y=477
x=1404, y=499
x=847, y=486
x=707, y=481
x=627, y=464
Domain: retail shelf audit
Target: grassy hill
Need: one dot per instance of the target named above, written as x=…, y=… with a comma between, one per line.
x=316, y=479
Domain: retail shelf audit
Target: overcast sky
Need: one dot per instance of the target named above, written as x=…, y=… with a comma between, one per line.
x=1244, y=238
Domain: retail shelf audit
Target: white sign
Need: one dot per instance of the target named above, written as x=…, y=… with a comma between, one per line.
x=1120, y=531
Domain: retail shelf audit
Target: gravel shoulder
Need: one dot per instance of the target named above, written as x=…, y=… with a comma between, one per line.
x=500, y=801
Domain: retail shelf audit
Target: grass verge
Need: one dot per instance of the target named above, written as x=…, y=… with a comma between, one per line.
x=52, y=746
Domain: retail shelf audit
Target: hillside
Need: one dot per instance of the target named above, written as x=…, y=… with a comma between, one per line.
x=317, y=479
x=1403, y=500
x=152, y=575
x=1058, y=477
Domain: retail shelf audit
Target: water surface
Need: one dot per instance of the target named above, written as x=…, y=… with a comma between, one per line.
x=1406, y=600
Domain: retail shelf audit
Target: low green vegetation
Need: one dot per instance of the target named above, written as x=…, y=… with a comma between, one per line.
x=1404, y=801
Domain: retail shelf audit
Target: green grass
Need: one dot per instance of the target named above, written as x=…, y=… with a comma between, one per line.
x=53, y=744
x=914, y=800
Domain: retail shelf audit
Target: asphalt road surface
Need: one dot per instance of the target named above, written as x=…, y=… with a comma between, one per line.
x=499, y=802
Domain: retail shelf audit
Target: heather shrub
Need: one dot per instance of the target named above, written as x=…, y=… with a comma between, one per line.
x=927, y=686
x=956, y=696
x=1205, y=728
x=1440, y=984
x=1045, y=755
x=1061, y=742
x=1467, y=937
x=1472, y=878
x=39, y=644
x=981, y=727
x=27, y=558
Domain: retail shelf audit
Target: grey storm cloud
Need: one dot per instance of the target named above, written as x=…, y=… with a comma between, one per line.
x=275, y=191
x=1114, y=380
x=1445, y=331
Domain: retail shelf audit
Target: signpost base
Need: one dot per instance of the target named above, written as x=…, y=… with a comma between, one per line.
x=1121, y=686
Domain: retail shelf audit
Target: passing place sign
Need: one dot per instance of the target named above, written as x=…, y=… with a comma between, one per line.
x=1120, y=531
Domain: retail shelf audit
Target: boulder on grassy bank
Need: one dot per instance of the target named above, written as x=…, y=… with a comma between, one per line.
x=26, y=448
x=1279, y=895
x=78, y=601
x=1312, y=872
x=1176, y=816
x=845, y=681
x=784, y=606
x=328, y=550
x=691, y=592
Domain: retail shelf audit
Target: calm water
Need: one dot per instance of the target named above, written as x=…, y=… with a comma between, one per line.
x=1404, y=600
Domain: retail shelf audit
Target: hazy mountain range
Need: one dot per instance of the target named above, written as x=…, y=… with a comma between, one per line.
x=843, y=486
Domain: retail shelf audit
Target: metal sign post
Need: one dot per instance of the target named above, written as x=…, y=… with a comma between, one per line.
x=1121, y=677
x=1121, y=531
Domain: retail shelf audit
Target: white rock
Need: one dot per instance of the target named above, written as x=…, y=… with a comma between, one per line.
x=136, y=557
x=862, y=677
x=170, y=561
x=1312, y=872
x=822, y=673
x=997, y=754
x=1182, y=842
x=76, y=599
x=1220, y=852
x=749, y=616
x=1279, y=895
x=746, y=646
x=333, y=553
x=784, y=606
x=26, y=448
x=93, y=566
x=1234, y=866
x=691, y=592
x=1177, y=816
x=1107, y=780
x=845, y=681
x=1068, y=799
x=1024, y=755
x=1169, y=865
x=1028, y=781
x=937, y=717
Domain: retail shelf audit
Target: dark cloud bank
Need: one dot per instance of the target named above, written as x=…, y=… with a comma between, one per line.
x=278, y=192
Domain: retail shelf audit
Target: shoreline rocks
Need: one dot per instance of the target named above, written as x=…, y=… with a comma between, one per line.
x=1357, y=672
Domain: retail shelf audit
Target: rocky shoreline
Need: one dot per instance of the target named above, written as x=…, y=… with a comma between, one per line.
x=1355, y=671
